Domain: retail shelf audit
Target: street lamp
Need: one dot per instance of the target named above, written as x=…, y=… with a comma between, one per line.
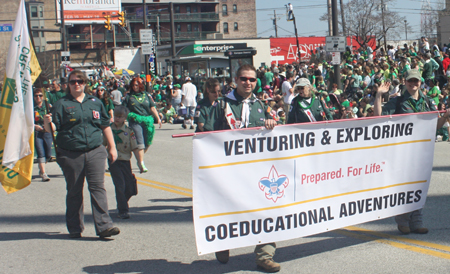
x=406, y=30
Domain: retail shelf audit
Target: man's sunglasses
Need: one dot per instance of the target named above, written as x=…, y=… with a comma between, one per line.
x=39, y=95
x=245, y=79
x=79, y=82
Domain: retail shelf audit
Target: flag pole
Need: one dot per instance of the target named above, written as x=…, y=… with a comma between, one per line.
x=47, y=110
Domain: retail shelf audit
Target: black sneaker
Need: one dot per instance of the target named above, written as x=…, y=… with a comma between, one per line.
x=223, y=256
x=75, y=235
x=123, y=216
x=109, y=232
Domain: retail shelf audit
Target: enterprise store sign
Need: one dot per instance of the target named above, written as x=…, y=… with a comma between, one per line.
x=199, y=48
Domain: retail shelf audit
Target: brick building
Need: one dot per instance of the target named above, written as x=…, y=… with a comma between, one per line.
x=193, y=20
x=238, y=18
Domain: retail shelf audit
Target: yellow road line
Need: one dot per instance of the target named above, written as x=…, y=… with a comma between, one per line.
x=163, y=186
x=166, y=189
x=308, y=201
x=393, y=243
x=401, y=239
x=313, y=154
x=166, y=185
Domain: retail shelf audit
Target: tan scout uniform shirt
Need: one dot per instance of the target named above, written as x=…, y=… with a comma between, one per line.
x=127, y=144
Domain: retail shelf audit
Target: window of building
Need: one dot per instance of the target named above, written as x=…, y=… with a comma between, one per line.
x=41, y=11
x=235, y=8
x=196, y=27
x=188, y=9
x=42, y=49
x=178, y=28
x=224, y=10
x=177, y=9
x=235, y=26
x=34, y=33
x=225, y=27
x=34, y=12
x=42, y=33
x=195, y=9
x=189, y=27
x=36, y=49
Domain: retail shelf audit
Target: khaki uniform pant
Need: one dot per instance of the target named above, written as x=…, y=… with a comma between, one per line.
x=413, y=219
x=265, y=251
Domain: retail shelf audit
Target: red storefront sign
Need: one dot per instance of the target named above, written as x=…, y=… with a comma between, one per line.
x=284, y=50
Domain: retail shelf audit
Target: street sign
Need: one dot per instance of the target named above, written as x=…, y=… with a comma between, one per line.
x=6, y=27
x=65, y=57
x=335, y=43
x=336, y=58
x=145, y=35
x=147, y=49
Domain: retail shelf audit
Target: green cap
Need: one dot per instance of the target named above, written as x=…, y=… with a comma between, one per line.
x=413, y=73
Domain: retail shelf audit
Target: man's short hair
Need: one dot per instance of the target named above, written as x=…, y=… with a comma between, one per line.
x=121, y=111
x=289, y=75
x=245, y=67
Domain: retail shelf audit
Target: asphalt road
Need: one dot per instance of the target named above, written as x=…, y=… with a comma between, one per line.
x=159, y=237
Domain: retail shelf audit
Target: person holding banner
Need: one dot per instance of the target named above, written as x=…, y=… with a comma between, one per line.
x=241, y=109
x=306, y=107
x=410, y=102
x=81, y=121
x=206, y=105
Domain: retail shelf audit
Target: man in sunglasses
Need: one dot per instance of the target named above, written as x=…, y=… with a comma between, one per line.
x=241, y=109
x=410, y=102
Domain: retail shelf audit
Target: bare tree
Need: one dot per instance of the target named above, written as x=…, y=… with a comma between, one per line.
x=363, y=20
x=430, y=17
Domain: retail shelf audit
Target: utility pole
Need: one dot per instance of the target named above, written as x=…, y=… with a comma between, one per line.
x=147, y=84
x=296, y=37
x=172, y=32
x=63, y=27
x=158, y=30
x=330, y=21
x=275, y=22
x=384, y=27
x=406, y=30
x=336, y=68
x=344, y=28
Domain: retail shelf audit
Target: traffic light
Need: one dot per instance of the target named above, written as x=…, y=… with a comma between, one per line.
x=122, y=19
x=108, y=22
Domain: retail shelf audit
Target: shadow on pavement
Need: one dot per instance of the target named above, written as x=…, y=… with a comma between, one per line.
x=243, y=262
x=15, y=236
x=171, y=200
x=441, y=168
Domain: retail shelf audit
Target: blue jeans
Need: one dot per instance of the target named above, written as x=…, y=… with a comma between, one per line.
x=43, y=143
x=140, y=132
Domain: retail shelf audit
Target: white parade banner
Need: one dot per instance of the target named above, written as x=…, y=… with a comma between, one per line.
x=256, y=186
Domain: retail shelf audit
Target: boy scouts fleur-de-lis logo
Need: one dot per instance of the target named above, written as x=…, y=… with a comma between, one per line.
x=273, y=185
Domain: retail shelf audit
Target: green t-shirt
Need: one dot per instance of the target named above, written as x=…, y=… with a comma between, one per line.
x=39, y=113
x=139, y=103
x=345, y=104
x=434, y=90
x=269, y=77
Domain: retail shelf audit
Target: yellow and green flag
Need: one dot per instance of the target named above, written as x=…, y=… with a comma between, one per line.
x=16, y=108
